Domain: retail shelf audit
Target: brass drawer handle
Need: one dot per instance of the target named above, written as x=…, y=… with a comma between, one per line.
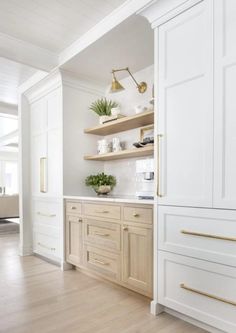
x=136, y=215
x=125, y=228
x=101, y=262
x=101, y=234
x=224, y=300
x=47, y=247
x=159, y=194
x=73, y=207
x=102, y=211
x=80, y=220
x=193, y=233
x=46, y=215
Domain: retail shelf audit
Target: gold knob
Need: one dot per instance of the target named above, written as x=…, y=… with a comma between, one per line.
x=136, y=215
x=80, y=220
x=125, y=228
x=73, y=207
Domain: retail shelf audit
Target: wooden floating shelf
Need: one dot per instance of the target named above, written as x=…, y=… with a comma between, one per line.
x=128, y=153
x=123, y=124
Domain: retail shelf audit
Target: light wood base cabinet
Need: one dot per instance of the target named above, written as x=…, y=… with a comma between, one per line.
x=137, y=258
x=110, y=243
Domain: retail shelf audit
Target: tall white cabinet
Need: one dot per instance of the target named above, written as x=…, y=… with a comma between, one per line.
x=195, y=230
x=56, y=108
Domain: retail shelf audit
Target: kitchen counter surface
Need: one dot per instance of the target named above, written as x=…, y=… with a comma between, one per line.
x=111, y=198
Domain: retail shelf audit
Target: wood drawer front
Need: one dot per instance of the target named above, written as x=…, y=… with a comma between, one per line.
x=103, y=262
x=105, y=234
x=202, y=233
x=46, y=212
x=73, y=207
x=138, y=214
x=100, y=210
x=199, y=289
x=47, y=246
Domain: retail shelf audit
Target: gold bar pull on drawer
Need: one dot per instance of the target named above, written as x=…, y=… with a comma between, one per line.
x=224, y=300
x=101, y=262
x=200, y=234
x=102, y=211
x=46, y=215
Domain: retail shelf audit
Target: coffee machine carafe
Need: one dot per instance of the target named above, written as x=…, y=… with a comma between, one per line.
x=145, y=178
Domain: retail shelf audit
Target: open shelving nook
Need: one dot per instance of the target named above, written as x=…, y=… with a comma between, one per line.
x=121, y=125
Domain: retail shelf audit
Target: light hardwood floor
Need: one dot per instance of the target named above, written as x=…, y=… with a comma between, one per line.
x=37, y=297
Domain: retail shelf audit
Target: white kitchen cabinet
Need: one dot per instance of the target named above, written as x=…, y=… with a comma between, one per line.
x=185, y=108
x=225, y=104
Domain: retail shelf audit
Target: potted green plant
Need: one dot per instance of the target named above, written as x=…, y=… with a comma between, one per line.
x=101, y=183
x=102, y=107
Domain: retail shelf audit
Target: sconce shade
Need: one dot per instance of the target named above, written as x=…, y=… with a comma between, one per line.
x=115, y=85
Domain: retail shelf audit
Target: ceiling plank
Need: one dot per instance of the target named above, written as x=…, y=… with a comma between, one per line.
x=26, y=53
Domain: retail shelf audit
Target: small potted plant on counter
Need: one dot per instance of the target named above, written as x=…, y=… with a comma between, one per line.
x=102, y=107
x=101, y=183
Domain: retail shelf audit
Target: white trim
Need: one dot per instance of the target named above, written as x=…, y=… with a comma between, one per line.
x=26, y=53
x=156, y=308
x=192, y=321
x=117, y=16
x=25, y=250
x=162, y=11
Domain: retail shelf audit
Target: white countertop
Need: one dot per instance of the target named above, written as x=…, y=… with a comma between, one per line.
x=111, y=198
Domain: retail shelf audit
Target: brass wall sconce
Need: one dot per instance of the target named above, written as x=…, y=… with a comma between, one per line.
x=116, y=86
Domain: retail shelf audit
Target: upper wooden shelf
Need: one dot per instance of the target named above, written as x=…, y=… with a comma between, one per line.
x=128, y=153
x=123, y=124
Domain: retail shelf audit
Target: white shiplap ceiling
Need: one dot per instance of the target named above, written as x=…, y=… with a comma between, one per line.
x=52, y=24
x=12, y=74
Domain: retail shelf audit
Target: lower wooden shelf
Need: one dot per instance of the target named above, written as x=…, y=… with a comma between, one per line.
x=128, y=153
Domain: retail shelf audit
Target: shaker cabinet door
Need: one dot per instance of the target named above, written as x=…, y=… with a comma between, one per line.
x=185, y=109
x=74, y=240
x=225, y=105
x=137, y=258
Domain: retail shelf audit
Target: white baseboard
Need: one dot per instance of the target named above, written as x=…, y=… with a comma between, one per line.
x=156, y=308
x=193, y=321
x=25, y=251
x=65, y=266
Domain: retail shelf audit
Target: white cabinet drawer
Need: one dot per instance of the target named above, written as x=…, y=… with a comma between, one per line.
x=46, y=212
x=208, y=234
x=199, y=289
x=47, y=246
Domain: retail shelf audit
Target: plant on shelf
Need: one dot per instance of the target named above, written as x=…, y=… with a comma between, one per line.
x=101, y=183
x=102, y=107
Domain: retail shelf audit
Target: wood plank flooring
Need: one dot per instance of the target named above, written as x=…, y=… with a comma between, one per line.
x=37, y=297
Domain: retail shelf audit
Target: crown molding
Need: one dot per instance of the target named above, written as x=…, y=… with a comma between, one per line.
x=26, y=53
x=127, y=9
x=160, y=11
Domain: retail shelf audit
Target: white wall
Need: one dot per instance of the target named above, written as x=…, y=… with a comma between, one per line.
x=124, y=170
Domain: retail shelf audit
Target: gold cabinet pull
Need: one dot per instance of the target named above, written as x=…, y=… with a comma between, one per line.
x=125, y=228
x=47, y=247
x=73, y=207
x=102, y=211
x=183, y=286
x=200, y=234
x=46, y=215
x=159, y=194
x=80, y=220
x=43, y=175
x=101, y=234
x=101, y=262
x=136, y=215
